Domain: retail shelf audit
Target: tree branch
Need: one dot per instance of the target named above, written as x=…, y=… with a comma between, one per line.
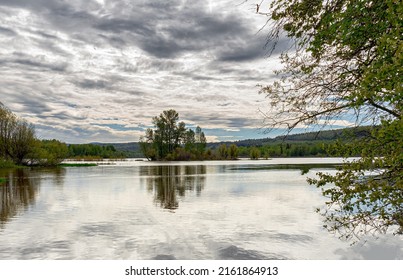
x=393, y=113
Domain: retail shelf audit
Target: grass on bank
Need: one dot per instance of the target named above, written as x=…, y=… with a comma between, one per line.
x=7, y=164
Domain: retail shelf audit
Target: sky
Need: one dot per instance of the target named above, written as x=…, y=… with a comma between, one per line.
x=98, y=70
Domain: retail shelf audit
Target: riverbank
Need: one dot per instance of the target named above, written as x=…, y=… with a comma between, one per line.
x=10, y=165
x=7, y=164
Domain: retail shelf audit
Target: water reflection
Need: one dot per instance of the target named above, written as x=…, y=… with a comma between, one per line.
x=236, y=253
x=19, y=189
x=242, y=211
x=305, y=168
x=56, y=175
x=170, y=182
x=17, y=193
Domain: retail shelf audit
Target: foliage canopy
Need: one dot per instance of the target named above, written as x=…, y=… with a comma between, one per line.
x=171, y=140
x=347, y=59
x=19, y=145
x=17, y=137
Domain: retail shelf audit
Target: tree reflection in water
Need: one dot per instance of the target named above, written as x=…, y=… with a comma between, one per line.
x=17, y=193
x=19, y=188
x=169, y=182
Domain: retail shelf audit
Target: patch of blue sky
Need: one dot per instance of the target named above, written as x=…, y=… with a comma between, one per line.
x=240, y=133
x=120, y=127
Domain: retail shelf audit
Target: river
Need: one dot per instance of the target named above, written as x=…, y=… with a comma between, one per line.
x=174, y=210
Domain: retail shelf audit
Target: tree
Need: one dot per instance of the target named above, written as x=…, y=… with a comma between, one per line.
x=168, y=134
x=200, y=140
x=17, y=137
x=222, y=151
x=254, y=153
x=147, y=145
x=190, y=140
x=19, y=144
x=49, y=152
x=170, y=140
x=348, y=59
x=7, y=125
x=22, y=141
x=233, y=151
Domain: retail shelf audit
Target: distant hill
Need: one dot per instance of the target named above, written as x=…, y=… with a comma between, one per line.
x=132, y=149
x=321, y=136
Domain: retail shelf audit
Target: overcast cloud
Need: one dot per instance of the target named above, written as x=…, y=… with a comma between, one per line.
x=99, y=70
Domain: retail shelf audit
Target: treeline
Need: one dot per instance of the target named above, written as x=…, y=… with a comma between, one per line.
x=305, y=149
x=301, y=149
x=129, y=149
x=93, y=152
x=311, y=144
x=326, y=136
x=19, y=146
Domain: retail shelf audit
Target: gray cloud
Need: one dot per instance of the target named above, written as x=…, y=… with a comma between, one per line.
x=116, y=25
x=276, y=47
x=63, y=115
x=47, y=35
x=14, y=3
x=29, y=62
x=93, y=84
x=162, y=29
x=32, y=63
x=7, y=31
x=37, y=107
x=165, y=31
x=68, y=64
x=244, y=52
x=223, y=120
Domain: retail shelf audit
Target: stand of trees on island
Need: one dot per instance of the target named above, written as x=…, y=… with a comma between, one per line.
x=171, y=140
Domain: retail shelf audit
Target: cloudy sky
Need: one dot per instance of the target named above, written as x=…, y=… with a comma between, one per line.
x=99, y=70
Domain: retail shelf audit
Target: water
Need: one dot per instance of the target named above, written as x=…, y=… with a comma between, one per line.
x=183, y=210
